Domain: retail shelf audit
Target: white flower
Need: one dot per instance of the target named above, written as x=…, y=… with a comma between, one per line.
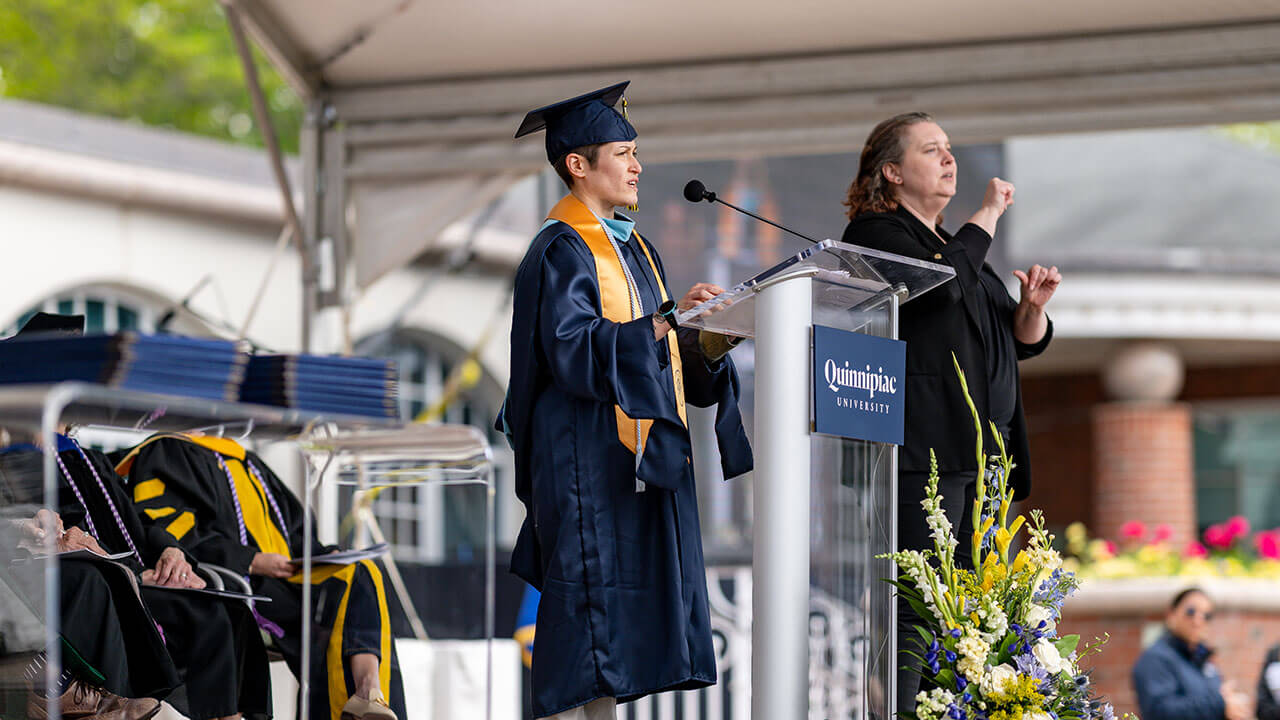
x=1048, y=657
x=1000, y=679
x=1036, y=715
x=932, y=705
x=973, y=651
x=1037, y=614
x=994, y=620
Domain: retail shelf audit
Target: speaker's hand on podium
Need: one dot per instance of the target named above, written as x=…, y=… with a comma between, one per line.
x=698, y=294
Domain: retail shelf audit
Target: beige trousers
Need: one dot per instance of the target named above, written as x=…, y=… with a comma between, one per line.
x=598, y=709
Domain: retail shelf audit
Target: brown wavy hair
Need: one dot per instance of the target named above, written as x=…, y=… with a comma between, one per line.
x=870, y=192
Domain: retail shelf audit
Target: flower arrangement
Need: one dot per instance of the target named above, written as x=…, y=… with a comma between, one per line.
x=988, y=646
x=1226, y=549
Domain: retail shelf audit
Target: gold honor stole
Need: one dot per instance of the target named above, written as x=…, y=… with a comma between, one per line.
x=615, y=303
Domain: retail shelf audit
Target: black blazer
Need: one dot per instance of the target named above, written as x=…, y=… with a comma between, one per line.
x=943, y=321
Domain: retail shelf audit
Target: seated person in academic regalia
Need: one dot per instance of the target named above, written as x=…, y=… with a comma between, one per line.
x=226, y=507
x=114, y=662
x=600, y=374
x=214, y=642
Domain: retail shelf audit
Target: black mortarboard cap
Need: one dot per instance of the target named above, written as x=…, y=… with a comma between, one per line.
x=585, y=120
x=43, y=322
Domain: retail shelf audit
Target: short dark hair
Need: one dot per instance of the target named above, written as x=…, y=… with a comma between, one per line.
x=1177, y=599
x=590, y=152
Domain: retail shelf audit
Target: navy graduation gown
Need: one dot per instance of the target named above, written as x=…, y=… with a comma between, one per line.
x=624, y=608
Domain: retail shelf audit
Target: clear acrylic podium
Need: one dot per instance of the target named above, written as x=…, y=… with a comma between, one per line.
x=823, y=506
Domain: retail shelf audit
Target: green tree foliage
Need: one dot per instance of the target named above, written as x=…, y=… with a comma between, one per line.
x=167, y=63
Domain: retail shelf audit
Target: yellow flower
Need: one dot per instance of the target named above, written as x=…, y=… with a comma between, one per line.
x=978, y=533
x=1020, y=562
x=1003, y=538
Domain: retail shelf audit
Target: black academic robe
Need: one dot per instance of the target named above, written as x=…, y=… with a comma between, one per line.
x=179, y=484
x=110, y=639
x=624, y=609
x=214, y=643
x=944, y=321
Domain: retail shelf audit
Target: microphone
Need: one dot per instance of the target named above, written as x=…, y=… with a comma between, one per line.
x=695, y=191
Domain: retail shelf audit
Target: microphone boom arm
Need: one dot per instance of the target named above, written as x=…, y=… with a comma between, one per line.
x=695, y=191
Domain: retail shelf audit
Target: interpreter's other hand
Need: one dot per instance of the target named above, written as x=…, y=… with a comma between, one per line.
x=999, y=195
x=272, y=565
x=173, y=570
x=698, y=294
x=1038, y=284
x=77, y=539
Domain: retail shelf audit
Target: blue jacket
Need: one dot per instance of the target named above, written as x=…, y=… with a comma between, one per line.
x=1175, y=682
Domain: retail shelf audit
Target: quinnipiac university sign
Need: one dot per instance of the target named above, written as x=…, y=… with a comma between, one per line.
x=859, y=385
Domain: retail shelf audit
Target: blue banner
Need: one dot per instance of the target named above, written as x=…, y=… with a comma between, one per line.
x=859, y=385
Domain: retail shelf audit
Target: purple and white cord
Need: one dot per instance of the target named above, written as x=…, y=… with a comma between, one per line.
x=284, y=529
x=263, y=622
x=235, y=501
x=115, y=512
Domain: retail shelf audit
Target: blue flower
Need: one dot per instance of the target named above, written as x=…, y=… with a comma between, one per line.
x=967, y=697
x=961, y=683
x=935, y=668
x=934, y=646
x=1027, y=664
x=951, y=657
x=955, y=633
x=1016, y=629
x=955, y=713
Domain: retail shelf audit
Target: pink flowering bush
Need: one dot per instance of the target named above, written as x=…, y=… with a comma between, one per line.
x=1228, y=548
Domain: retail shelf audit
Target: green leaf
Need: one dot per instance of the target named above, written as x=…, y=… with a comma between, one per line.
x=1066, y=644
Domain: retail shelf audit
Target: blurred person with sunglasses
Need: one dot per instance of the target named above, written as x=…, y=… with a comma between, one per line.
x=1175, y=680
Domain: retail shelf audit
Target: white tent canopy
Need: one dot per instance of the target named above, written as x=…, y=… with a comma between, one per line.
x=414, y=103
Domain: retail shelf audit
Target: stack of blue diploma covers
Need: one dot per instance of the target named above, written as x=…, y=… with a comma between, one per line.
x=165, y=364
x=324, y=383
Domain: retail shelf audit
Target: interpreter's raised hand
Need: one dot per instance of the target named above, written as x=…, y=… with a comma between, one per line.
x=173, y=570
x=272, y=565
x=76, y=539
x=999, y=195
x=698, y=294
x=1038, y=284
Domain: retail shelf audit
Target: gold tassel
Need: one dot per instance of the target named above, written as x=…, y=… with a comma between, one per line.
x=635, y=207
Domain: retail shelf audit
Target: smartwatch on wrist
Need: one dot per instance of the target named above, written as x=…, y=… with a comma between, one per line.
x=667, y=313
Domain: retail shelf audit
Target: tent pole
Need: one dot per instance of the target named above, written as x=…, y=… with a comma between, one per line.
x=262, y=117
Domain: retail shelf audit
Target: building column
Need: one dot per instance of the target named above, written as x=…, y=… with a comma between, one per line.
x=1143, y=465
